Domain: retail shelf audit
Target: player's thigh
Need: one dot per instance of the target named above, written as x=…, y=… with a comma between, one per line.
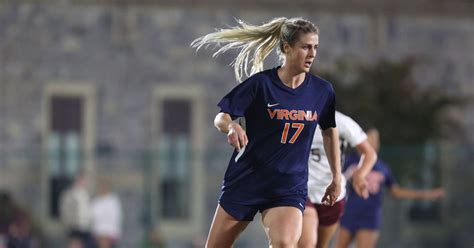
x=343, y=238
x=310, y=225
x=325, y=233
x=366, y=238
x=224, y=229
x=283, y=225
x=329, y=217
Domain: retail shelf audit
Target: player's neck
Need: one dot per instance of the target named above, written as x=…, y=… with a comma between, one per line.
x=290, y=78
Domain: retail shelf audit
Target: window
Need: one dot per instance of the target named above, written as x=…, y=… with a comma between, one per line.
x=175, y=158
x=178, y=177
x=63, y=146
x=67, y=135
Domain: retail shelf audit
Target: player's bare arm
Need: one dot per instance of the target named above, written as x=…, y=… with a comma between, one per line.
x=236, y=135
x=366, y=163
x=331, y=147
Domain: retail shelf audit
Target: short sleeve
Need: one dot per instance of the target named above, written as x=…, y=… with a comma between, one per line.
x=349, y=130
x=239, y=99
x=389, y=178
x=327, y=118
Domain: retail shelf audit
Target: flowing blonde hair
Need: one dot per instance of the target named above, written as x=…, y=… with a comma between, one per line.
x=256, y=42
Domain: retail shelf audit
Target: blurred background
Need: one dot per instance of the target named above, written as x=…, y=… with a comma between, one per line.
x=112, y=91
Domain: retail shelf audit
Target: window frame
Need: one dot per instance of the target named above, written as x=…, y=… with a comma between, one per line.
x=86, y=91
x=181, y=228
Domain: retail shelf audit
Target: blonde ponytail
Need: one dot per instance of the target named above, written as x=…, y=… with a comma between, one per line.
x=255, y=44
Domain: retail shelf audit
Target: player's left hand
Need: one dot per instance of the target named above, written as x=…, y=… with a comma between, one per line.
x=332, y=193
x=435, y=194
x=360, y=185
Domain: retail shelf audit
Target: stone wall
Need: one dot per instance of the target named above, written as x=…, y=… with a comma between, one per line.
x=126, y=50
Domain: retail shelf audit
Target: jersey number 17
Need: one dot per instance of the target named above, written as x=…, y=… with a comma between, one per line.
x=284, y=136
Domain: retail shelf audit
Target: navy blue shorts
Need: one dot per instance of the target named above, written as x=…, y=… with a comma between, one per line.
x=245, y=212
x=354, y=224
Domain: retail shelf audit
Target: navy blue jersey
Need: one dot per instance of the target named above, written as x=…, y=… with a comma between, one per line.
x=280, y=123
x=358, y=208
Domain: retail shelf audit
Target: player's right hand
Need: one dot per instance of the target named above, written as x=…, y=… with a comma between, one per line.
x=332, y=193
x=237, y=137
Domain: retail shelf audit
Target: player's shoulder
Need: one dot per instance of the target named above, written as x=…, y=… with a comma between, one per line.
x=384, y=165
x=259, y=77
x=340, y=117
x=320, y=82
x=265, y=74
x=380, y=165
x=351, y=157
x=318, y=78
x=349, y=129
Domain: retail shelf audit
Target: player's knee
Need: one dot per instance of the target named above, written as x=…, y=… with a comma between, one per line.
x=284, y=241
x=322, y=244
x=307, y=243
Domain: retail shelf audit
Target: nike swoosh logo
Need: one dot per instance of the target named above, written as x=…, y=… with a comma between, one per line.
x=272, y=105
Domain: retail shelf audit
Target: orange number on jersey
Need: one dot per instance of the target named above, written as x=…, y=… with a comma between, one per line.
x=299, y=128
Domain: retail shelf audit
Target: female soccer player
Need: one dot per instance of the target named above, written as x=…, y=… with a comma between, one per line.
x=361, y=219
x=268, y=170
x=320, y=221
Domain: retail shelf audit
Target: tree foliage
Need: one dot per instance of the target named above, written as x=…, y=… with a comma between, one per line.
x=387, y=96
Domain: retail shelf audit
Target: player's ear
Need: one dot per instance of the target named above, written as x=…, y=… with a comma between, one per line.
x=285, y=47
